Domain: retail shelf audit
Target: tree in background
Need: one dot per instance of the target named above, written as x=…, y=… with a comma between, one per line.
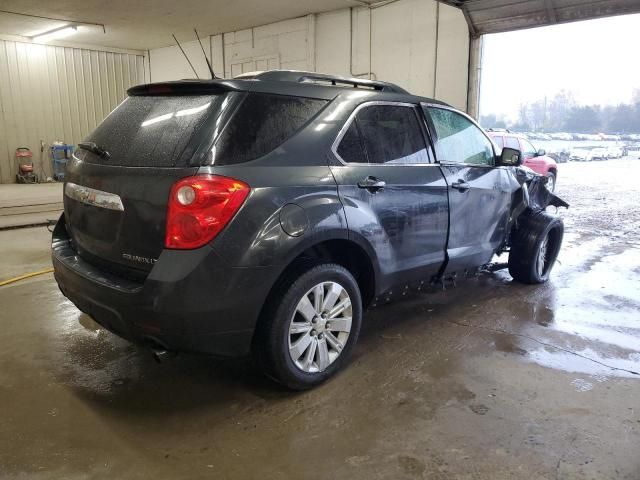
x=561, y=113
x=559, y=109
x=620, y=119
x=492, y=121
x=583, y=119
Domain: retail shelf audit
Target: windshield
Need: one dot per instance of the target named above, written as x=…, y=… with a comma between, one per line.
x=152, y=131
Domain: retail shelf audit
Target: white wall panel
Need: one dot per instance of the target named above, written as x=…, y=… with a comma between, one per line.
x=453, y=57
x=50, y=93
x=333, y=42
x=168, y=63
x=414, y=43
x=404, y=45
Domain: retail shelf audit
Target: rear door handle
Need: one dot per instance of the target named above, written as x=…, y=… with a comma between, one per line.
x=461, y=186
x=372, y=184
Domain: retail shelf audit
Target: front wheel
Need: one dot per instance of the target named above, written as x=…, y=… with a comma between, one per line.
x=535, y=245
x=551, y=182
x=310, y=326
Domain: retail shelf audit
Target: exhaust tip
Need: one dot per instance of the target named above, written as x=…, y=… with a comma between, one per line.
x=158, y=350
x=160, y=355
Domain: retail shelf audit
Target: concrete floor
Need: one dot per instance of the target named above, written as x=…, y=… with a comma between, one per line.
x=29, y=205
x=489, y=380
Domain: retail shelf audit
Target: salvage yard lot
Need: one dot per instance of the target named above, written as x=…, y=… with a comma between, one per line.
x=488, y=380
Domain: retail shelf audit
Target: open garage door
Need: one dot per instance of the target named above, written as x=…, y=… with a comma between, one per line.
x=494, y=16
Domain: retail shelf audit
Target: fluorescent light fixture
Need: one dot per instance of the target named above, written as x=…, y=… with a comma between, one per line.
x=61, y=32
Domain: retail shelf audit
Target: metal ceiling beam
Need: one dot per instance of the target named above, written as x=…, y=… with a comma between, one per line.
x=494, y=16
x=551, y=13
x=472, y=28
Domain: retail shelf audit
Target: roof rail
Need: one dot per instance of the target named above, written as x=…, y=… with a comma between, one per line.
x=323, y=79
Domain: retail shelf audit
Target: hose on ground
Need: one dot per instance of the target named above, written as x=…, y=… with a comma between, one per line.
x=25, y=276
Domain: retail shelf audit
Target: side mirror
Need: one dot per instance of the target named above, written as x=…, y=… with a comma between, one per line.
x=541, y=153
x=510, y=157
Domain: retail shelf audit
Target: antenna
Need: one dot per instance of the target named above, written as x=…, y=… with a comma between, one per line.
x=185, y=56
x=213, y=75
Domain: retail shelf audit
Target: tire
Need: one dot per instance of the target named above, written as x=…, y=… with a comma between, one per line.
x=551, y=180
x=534, y=231
x=283, y=330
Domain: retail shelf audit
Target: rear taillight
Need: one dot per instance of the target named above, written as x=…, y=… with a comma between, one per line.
x=200, y=207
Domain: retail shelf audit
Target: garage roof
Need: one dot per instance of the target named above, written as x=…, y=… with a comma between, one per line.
x=493, y=16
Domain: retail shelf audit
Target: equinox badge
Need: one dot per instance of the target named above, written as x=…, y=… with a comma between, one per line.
x=139, y=259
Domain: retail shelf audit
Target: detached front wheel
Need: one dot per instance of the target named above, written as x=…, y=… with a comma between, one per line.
x=551, y=182
x=310, y=326
x=535, y=245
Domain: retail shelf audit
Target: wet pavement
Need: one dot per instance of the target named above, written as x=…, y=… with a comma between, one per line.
x=488, y=380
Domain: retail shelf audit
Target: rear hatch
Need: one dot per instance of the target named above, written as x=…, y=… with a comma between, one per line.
x=116, y=202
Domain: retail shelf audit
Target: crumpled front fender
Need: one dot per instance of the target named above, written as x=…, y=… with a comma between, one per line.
x=533, y=194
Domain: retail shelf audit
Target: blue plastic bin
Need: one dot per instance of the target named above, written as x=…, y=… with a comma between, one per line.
x=60, y=155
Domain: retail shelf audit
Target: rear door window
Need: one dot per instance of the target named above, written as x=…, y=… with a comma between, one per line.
x=391, y=134
x=350, y=148
x=262, y=123
x=384, y=134
x=152, y=131
x=511, y=142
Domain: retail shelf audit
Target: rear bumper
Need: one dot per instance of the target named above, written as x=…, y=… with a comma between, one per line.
x=191, y=300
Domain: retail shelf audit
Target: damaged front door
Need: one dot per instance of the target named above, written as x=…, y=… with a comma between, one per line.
x=479, y=193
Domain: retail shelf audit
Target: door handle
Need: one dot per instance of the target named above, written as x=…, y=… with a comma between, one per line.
x=461, y=186
x=372, y=184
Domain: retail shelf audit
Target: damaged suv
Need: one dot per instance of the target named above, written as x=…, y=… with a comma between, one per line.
x=264, y=214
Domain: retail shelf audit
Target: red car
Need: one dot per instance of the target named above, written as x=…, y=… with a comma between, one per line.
x=536, y=160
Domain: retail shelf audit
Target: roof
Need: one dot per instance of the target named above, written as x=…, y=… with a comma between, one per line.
x=493, y=16
x=249, y=81
x=504, y=133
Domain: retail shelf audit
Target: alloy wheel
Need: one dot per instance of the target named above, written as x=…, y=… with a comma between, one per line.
x=551, y=183
x=541, y=263
x=320, y=327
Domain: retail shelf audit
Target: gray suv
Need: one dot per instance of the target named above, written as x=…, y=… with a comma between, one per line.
x=262, y=215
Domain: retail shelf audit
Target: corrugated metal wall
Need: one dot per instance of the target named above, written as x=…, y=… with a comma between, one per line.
x=56, y=93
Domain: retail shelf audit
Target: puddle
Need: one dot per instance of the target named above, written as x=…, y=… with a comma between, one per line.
x=596, y=310
x=559, y=360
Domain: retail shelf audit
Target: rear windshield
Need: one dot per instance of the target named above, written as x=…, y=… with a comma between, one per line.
x=262, y=123
x=153, y=131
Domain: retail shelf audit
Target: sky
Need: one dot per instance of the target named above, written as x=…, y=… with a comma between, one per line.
x=598, y=60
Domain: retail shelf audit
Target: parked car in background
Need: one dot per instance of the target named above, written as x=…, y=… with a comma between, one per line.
x=536, y=160
x=262, y=215
x=599, y=153
x=580, y=154
x=561, y=136
x=561, y=156
x=588, y=154
x=633, y=150
x=615, y=151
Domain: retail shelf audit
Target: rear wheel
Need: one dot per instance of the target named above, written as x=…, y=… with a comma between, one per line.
x=310, y=326
x=535, y=245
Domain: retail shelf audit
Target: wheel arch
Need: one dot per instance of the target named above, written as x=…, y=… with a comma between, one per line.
x=341, y=250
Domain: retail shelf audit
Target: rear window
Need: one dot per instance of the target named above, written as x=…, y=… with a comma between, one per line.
x=512, y=142
x=262, y=123
x=153, y=131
